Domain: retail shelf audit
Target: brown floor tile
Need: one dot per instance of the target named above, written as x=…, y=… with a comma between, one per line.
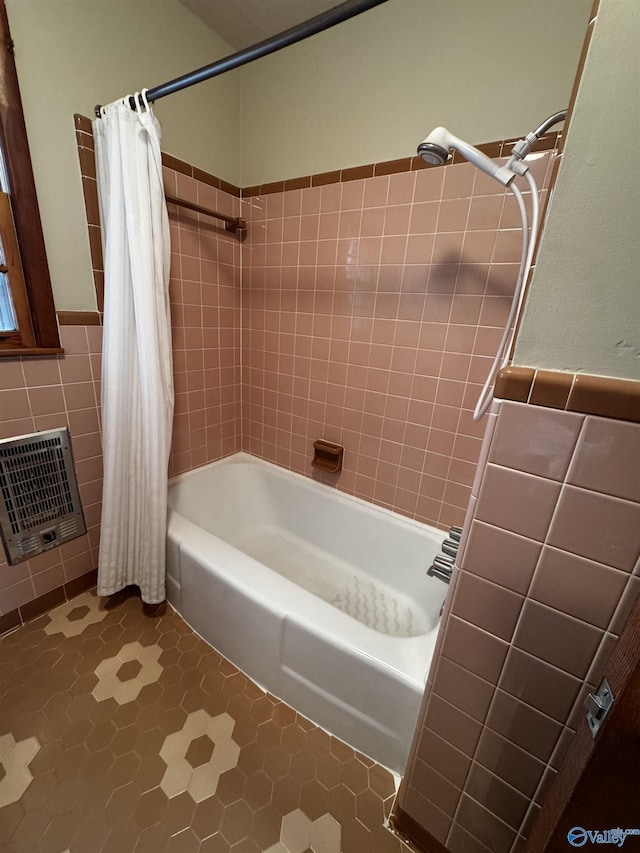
x=140, y=737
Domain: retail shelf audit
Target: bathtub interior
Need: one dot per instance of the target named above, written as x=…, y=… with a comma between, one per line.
x=338, y=548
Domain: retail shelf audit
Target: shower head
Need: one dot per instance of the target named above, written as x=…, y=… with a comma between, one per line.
x=436, y=147
x=433, y=154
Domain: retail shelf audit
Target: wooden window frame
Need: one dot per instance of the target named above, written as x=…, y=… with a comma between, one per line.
x=30, y=292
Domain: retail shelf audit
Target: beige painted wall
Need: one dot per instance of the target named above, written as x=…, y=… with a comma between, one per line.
x=583, y=310
x=372, y=88
x=72, y=54
x=368, y=90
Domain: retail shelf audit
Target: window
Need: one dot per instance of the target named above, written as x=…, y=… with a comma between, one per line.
x=27, y=312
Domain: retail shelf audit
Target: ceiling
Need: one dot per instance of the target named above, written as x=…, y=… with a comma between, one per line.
x=246, y=22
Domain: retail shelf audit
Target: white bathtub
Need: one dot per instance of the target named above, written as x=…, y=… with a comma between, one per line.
x=319, y=597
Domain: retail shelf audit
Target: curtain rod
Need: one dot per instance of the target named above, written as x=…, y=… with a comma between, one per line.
x=318, y=24
x=232, y=223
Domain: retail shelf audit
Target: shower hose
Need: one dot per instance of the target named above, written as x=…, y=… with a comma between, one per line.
x=529, y=237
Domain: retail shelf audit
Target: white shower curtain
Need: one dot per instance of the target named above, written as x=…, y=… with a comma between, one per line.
x=137, y=378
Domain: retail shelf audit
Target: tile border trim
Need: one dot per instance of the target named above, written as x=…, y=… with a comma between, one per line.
x=84, y=140
x=79, y=318
x=585, y=393
x=44, y=603
x=190, y=171
x=500, y=148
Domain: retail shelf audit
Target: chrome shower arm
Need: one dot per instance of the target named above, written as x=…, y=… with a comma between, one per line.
x=556, y=118
x=524, y=146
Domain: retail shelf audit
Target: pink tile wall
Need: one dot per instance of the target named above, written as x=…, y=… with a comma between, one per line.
x=548, y=573
x=371, y=311
x=205, y=312
x=45, y=393
x=38, y=394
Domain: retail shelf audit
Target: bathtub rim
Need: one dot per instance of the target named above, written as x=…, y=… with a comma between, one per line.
x=242, y=457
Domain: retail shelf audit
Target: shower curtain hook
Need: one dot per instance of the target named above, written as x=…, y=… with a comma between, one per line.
x=145, y=101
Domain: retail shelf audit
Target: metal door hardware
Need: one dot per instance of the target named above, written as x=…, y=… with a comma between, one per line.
x=598, y=705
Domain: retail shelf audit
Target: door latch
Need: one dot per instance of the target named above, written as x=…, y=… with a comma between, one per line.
x=598, y=705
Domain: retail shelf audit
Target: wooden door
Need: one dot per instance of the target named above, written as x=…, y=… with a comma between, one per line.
x=598, y=787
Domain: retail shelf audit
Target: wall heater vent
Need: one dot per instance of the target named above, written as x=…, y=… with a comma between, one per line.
x=39, y=500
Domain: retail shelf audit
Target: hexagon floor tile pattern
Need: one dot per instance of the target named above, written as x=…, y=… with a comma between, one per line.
x=191, y=757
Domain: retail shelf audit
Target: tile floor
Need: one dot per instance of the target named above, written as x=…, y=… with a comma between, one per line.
x=123, y=732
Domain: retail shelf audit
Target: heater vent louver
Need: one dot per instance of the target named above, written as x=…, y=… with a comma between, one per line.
x=39, y=501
